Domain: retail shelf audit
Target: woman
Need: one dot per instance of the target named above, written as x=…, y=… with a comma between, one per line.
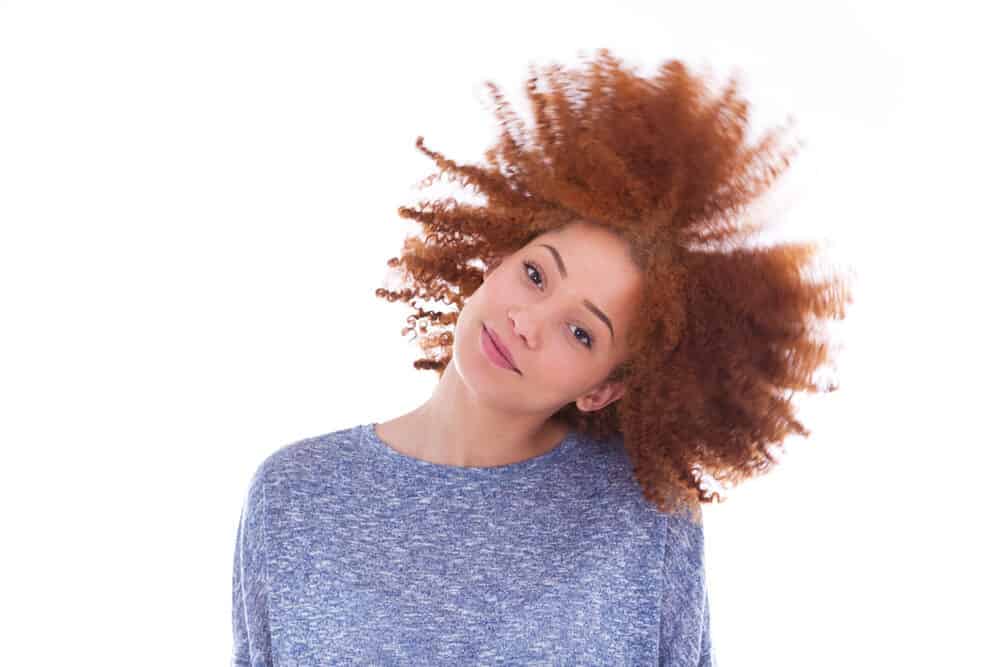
x=620, y=353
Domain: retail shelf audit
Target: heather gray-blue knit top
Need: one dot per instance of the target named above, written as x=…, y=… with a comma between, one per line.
x=349, y=552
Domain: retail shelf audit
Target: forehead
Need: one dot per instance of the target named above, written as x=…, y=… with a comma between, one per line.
x=590, y=243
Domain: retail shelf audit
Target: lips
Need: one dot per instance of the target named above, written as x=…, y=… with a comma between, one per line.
x=500, y=346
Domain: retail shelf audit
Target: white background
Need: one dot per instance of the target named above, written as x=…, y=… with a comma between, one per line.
x=197, y=200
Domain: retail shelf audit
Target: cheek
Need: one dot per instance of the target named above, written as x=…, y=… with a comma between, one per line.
x=484, y=294
x=498, y=290
x=563, y=371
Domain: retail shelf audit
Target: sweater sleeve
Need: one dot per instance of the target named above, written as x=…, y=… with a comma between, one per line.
x=685, y=633
x=251, y=624
x=241, y=643
x=707, y=657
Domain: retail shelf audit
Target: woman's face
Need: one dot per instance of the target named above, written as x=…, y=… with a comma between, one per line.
x=562, y=305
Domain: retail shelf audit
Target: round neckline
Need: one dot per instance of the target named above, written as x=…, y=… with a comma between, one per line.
x=386, y=451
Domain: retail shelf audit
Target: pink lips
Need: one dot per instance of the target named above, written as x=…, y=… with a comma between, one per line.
x=496, y=350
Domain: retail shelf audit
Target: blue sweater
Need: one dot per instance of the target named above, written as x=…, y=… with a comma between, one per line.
x=349, y=552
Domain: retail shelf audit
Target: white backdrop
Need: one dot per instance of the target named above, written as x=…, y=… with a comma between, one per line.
x=197, y=200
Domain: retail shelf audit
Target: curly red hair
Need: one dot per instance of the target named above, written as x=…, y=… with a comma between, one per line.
x=725, y=338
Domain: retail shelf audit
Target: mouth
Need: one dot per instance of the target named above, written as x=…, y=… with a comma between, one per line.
x=499, y=347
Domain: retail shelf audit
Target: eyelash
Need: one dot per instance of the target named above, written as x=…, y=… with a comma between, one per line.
x=590, y=340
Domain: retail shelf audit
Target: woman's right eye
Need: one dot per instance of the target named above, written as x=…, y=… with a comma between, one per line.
x=529, y=268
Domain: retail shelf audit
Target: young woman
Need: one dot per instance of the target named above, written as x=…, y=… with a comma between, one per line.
x=614, y=351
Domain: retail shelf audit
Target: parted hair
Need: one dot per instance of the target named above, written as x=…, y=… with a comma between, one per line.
x=729, y=331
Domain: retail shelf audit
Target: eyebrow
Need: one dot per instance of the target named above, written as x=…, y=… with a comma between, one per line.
x=590, y=306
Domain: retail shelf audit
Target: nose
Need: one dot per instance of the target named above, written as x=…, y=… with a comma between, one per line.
x=524, y=326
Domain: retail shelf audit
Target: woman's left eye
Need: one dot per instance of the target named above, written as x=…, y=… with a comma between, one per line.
x=589, y=342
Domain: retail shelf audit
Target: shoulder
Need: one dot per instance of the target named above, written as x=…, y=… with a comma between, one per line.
x=302, y=459
x=611, y=456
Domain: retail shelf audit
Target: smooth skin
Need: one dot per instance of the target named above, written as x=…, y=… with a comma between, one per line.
x=480, y=415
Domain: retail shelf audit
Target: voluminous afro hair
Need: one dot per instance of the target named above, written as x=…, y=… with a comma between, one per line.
x=727, y=333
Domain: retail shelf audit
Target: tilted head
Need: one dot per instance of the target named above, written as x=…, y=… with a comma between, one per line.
x=562, y=306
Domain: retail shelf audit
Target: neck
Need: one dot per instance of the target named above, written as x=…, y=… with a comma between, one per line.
x=456, y=428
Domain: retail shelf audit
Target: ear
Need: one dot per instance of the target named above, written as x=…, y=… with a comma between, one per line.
x=597, y=398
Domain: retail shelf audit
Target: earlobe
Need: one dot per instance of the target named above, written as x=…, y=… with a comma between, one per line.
x=603, y=396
